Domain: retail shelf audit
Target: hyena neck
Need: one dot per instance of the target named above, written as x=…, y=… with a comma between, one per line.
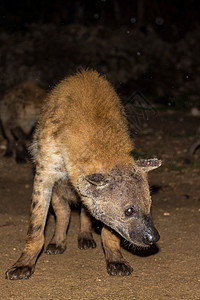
x=99, y=167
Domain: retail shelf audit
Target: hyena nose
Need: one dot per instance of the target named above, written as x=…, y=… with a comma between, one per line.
x=151, y=236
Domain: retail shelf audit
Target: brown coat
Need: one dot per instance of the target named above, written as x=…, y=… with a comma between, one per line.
x=82, y=150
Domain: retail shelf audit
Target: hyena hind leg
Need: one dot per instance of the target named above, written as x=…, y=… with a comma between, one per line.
x=116, y=264
x=85, y=237
x=62, y=211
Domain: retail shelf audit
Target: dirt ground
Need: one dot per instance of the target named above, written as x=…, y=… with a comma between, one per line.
x=170, y=271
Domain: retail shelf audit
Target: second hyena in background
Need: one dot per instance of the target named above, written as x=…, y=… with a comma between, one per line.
x=82, y=148
x=19, y=110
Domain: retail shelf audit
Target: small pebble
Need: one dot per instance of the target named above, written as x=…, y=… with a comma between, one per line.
x=166, y=214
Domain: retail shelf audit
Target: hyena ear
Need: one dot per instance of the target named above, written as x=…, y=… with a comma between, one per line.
x=91, y=185
x=96, y=179
x=148, y=164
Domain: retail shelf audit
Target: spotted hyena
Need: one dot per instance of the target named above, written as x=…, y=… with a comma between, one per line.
x=19, y=110
x=82, y=152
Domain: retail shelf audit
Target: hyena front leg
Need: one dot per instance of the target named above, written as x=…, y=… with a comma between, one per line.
x=25, y=265
x=10, y=141
x=62, y=211
x=116, y=265
x=21, y=152
x=21, y=145
x=85, y=238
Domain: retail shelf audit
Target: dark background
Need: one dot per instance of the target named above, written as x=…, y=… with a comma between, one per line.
x=147, y=46
x=177, y=17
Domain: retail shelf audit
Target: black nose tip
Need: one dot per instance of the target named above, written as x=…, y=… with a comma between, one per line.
x=151, y=236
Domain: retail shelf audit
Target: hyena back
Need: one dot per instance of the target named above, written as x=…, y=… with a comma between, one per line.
x=19, y=110
x=82, y=151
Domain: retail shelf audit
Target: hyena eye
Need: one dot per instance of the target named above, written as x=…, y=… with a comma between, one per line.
x=129, y=211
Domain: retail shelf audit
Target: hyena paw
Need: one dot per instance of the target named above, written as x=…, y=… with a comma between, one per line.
x=53, y=249
x=119, y=268
x=84, y=243
x=23, y=272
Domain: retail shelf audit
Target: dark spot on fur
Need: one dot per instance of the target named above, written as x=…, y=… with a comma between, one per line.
x=37, y=228
x=37, y=173
x=55, y=121
x=34, y=204
x=64, y=198
x=57, y=169
x=39, y=166
x=30, y=229
x=55, y=134
x=33, y=229
x=36, y=192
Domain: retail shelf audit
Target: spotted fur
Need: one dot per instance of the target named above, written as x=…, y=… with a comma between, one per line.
x=82, y=151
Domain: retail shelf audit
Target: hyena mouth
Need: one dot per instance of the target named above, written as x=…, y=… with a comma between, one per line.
x=134, y=240
x=99, y=215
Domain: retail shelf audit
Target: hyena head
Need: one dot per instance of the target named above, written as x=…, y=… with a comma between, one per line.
x=121, y=199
